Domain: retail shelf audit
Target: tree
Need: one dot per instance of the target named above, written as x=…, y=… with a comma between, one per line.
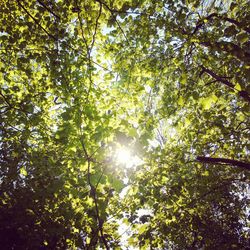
x=166, y=79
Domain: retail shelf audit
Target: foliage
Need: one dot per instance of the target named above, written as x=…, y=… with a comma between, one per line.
x=167, y=79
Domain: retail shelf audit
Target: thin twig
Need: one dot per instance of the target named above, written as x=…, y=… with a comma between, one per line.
x=5, y=99
x=96, y=27
x=50, y=35
x=117, y=22
x=48, y=9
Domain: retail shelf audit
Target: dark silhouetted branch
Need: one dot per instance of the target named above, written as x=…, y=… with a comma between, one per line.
x=221, y=17
x=230, y=48
x=48, y=9
x=244, y=94
x=231, y=162
x=34, y=19
x=217, y=77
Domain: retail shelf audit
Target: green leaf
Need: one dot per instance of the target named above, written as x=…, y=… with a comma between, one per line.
x=237, y=87
x=181, y=101
x=132, y=132
x=208, y=101
x=23, y=171
x=242, y=37
x=183, y=79
x=142, y=228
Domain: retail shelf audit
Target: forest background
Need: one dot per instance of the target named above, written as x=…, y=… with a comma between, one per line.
x=124, y=124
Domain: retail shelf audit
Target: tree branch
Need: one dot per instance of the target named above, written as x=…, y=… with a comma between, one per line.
x=48, y=9
x=6, y=100
x=51, y=36
x=216, y=77
x=117, y=22
x=210, y=160
x=230, y=48
x=99, y=220
x=243, y=93
x=221, y=17
x=94, y=196
x=96, y=26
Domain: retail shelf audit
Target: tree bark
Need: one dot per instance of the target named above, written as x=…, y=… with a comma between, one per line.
x=231, y=162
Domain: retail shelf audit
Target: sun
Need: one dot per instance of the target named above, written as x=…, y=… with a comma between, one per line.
x=125, y=157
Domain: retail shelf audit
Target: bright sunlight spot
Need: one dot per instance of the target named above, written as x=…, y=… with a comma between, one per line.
x=124, y=156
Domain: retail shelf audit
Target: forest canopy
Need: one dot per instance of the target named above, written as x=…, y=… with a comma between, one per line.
x=124, y=124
